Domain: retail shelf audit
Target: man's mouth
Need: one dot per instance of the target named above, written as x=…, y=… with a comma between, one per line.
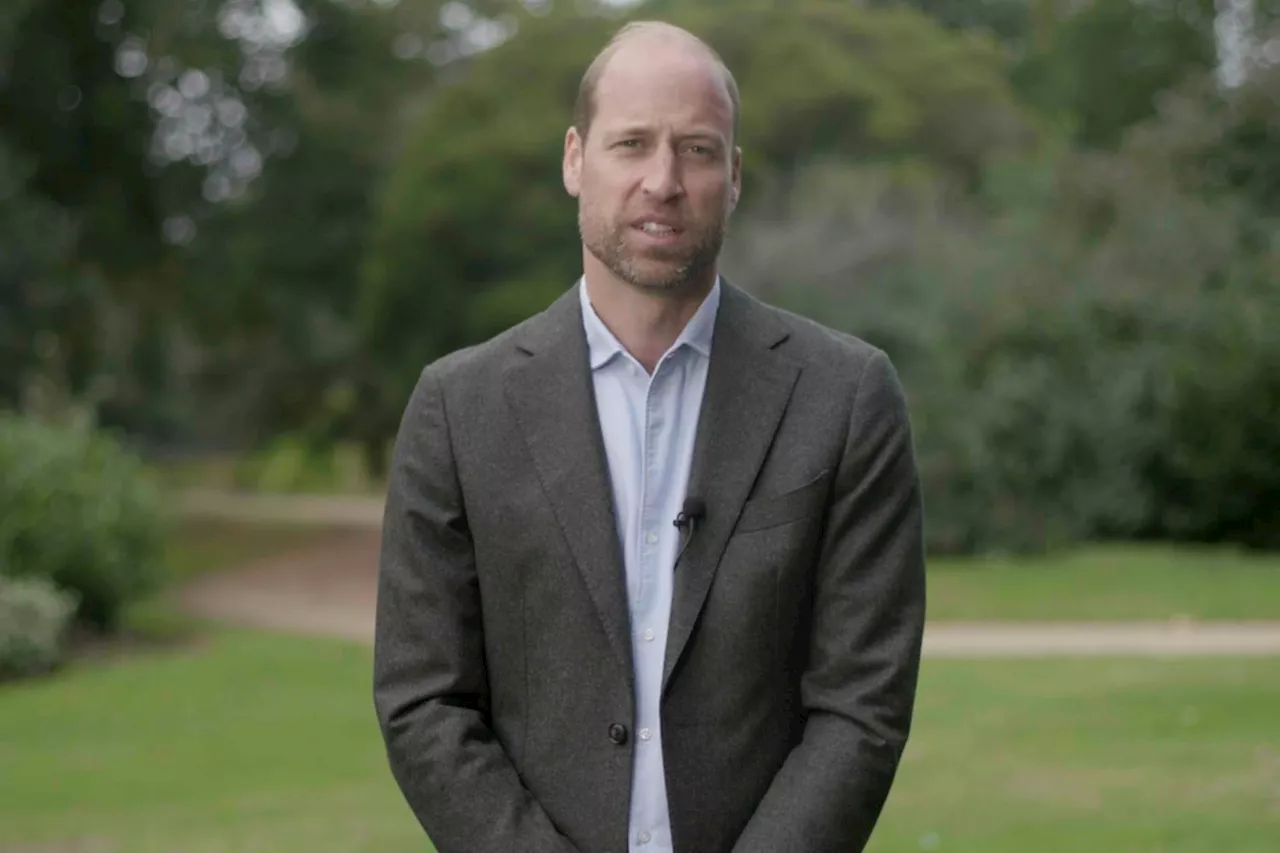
x=657, y=229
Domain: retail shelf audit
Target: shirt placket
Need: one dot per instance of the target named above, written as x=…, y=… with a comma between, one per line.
x=650, y=551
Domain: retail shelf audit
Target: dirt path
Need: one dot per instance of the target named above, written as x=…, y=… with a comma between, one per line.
x=329, y=589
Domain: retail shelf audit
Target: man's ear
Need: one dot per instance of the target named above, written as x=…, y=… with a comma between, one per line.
x=736, y=192
x=572, y=166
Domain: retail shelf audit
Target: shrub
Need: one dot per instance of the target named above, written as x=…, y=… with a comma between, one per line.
x=34, y=616
x=1089, y=351
x=77, y=510
x=1218, y=469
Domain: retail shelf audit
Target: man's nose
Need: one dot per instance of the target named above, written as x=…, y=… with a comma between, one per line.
x=662, y=175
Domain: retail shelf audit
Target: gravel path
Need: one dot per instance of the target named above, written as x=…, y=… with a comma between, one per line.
x=329, y=590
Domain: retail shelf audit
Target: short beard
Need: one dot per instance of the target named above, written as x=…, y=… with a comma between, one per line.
x=608, y=246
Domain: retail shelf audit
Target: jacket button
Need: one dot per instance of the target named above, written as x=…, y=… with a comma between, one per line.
x=618, y=733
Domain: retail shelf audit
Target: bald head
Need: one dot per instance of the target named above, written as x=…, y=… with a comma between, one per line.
x=651, y=41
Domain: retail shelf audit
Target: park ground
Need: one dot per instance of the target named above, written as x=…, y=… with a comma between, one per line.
x=1112, y=699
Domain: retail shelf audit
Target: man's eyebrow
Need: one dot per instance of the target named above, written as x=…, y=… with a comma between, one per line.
x=632, y=129
x=703, y=135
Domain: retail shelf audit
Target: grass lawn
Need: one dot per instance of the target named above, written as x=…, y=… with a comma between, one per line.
x=1087, y=756
x=262, y=744
x=247, y=742
x=1108, y=583
x=254, y=743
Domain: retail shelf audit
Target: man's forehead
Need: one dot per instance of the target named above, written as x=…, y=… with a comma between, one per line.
x=632, y=85
x=659, y=59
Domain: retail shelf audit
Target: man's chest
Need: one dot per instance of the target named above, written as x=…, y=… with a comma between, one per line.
x=649, y=428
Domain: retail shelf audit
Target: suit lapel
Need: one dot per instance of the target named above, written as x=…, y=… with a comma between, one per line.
x=748, y=387
x=549, y=389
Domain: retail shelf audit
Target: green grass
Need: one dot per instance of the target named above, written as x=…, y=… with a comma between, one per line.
x=261, y=744
x=1139, y=756
x=1108, y=583
x=247, y=743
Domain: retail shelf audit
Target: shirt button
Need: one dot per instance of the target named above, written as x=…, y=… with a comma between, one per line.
x=643, y=838
x=652, y=538
x=645, y=734
x=648, y=635
x=618, y=734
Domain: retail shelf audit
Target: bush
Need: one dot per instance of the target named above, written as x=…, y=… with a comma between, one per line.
x=1089, y=351
x=77, y=511
x=1218, y=472
x=34, y=617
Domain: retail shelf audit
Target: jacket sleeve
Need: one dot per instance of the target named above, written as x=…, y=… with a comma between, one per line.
x=430, y=684
x=868, y=624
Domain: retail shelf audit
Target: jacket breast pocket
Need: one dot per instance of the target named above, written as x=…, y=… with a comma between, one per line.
x=768, y=511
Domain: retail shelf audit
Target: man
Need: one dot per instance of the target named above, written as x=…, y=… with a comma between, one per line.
x=652, y=573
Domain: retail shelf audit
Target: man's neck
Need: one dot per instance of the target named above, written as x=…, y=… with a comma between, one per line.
x=645, y=323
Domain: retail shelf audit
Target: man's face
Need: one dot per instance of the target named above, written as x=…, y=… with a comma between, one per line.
x=656, y=178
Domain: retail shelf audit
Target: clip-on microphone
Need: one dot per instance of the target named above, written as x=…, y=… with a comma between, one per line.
x=694, y=510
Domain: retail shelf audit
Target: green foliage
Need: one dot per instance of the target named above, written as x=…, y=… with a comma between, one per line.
x=34, y=618
x=1084, y=337
x=34, y=289
x=1219, y=472
x=475, y=231
x=65, y=108
x=994, y=341
x=1088, y=351
x=476, y=201
x=271, y=279
x=1102, y=67
x=824, y=78
x=76, y=510
x=1220, y=142
x=1010, y=20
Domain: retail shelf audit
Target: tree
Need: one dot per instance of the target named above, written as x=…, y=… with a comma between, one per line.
x=1008, y=20
x=275, y=273
x=213, y=164
x=1100, y=66
x=475, y=231
x=39, y=290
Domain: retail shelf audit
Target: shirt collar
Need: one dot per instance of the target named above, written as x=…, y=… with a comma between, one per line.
x=697, y=334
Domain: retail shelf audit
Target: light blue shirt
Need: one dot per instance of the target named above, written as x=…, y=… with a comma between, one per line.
x=649, y=424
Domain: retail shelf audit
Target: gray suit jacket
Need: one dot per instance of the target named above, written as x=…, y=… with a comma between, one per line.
x=503, y=677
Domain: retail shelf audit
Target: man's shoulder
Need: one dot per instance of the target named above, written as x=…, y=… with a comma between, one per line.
x=840, y=365
x=469, y=361
x=819, y=345
x=481, y=360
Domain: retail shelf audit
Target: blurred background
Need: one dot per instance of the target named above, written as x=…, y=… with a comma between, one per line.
x=232, y=232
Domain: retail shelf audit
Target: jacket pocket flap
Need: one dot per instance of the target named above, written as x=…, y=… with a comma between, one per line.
x=773, y=510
